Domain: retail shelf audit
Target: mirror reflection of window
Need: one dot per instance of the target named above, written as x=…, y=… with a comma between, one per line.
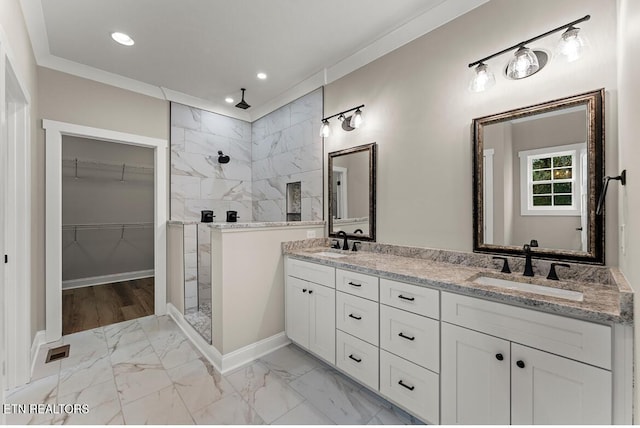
x=533, y=184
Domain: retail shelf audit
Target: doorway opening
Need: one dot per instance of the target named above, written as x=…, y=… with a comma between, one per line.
x=54, y=134
x=107, y=233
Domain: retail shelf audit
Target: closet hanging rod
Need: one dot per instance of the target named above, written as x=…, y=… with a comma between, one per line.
x=75, y=162
x=116, y=226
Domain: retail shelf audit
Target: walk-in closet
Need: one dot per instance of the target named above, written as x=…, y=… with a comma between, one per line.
x=107, y=233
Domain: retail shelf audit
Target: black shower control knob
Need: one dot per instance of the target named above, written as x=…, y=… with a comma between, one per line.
x=499, y=357
x=520, y=364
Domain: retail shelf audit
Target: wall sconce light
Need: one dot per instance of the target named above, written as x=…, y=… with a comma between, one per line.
x=349, y=123
x=526, y=61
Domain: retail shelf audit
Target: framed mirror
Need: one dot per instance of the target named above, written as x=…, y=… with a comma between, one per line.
x=352, y=192
x=537, y=173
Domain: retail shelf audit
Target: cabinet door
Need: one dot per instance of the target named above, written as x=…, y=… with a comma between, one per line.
x=552, y=390
x=474, y=378
x=322, y=327
x=297, y=310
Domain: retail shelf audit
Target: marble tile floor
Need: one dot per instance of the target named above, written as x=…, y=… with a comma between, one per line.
x=146, y=371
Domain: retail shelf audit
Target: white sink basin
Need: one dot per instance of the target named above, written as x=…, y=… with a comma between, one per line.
x=330, y=254
x=531, y=288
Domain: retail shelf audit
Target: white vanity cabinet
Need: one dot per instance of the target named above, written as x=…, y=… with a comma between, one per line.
x=494, y=380
x=310, y=307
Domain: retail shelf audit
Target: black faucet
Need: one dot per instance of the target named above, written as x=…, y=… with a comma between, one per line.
x=343, y=234
x=552, y=270
x=335, y=244
x=528, y=267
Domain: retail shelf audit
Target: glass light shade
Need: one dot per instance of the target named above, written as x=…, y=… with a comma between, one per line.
x=324, y=129
x=356, y=119
x=523, y=64
x=571, y=46
x=482, y=79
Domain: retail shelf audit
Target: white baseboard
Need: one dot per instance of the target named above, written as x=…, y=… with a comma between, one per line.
x=253, y=351
x=38, y=340
x=232, y=360
x=106, y=279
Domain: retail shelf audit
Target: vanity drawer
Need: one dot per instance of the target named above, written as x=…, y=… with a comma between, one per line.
x=358, y=358
x=576, y=339
x=411, y=386
x=410, y=336
x=320, y=274
x=412, y=298
x=358, y=317
x=357, y=284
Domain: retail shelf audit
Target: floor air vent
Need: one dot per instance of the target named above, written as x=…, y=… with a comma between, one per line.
x=58, y=353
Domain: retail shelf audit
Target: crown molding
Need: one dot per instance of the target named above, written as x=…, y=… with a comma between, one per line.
x=435, y=17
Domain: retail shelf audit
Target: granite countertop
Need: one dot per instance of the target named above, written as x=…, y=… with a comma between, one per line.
x=250, y=225
x=601, y=303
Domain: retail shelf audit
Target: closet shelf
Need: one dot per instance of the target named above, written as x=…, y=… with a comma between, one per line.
x=107, y=226
x=120, y=168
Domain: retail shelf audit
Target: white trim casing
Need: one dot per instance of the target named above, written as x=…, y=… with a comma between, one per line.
x=53, y=230
x=15, y=126
x=38, y=340
x=106, y=279
x=228, y=362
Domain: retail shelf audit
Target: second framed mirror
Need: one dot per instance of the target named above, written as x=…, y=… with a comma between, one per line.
x=352, y=192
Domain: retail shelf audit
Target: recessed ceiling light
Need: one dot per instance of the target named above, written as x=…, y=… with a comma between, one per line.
x=262, y=76
x=229, y=100
x=122, y=38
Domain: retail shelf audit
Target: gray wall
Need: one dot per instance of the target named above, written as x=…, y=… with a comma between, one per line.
x=629, y=128
x=419, y=111
x=98, y=196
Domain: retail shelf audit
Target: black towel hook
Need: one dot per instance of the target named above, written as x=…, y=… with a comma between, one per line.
x=622, y=178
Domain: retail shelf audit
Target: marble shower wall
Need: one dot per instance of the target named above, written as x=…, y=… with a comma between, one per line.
x=281, y=147
x=198, y=181
x=286, y=147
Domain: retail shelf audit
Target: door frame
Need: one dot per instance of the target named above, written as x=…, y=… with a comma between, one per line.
x=340, y=174
x=15, y=130
x=54, y=132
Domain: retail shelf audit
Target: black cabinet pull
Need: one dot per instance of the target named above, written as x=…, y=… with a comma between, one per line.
x=304, y=290
x=520, y=364
x=310, y=291
x=355, y=317
x=499, y=357
x=411, y=299
x=406, y=337
x=410, y=388
x=357, y=360
x=354, y=284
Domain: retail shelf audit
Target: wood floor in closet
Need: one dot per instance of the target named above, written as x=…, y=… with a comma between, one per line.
x=99, y=305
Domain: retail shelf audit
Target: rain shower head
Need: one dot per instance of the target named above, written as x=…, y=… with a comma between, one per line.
x=243, y=104
x=222, y=158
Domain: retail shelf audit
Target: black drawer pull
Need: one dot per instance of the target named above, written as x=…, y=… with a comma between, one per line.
x=499, y=357
x=355, y=317
x=410, y=388
x=354, y=284
x=406, y=337
x=357, y=360
x=411, y=299
x=520, y=364
x=304, y=290
x=310, y=291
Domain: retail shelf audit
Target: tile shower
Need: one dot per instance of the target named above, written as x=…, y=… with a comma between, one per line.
x=274, y=174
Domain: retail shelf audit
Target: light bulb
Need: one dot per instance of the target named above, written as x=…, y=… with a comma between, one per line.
x=571, y=46
x=341, y=118
x=523, y=64
x=483, y=79
x=324, y=129
x=356, y=119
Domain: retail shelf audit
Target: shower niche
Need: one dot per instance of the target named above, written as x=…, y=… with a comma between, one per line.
x=294, y=201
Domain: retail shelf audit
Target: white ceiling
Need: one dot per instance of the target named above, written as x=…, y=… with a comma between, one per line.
x=200, y=51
